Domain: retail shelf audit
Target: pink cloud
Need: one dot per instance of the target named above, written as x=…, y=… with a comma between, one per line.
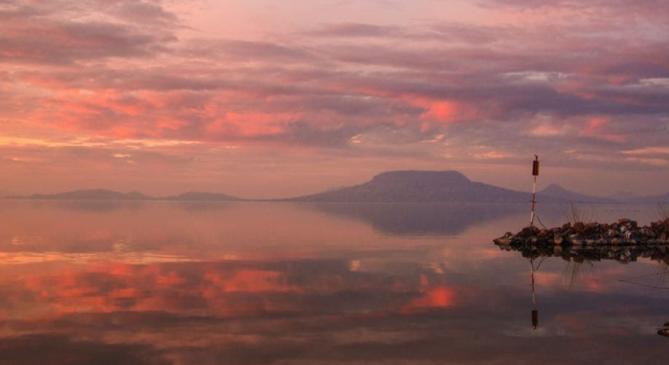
x=128, y=70
x=598, y=127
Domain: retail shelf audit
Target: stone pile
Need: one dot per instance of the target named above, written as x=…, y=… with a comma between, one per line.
x=625, y=232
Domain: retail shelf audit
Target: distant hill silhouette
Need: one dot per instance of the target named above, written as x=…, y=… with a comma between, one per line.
x=91, y=194
x=655, y=199
x=110, y=195
x=556, y=192
x=420, y=186
x=662, y=198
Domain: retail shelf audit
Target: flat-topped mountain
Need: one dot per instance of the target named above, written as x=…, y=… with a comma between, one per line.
x=556, y=192
x=420, y=186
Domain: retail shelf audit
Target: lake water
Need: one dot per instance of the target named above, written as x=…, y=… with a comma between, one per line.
x=282, y=283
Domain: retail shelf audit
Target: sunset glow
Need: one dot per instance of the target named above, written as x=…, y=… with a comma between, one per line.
x=262, y=99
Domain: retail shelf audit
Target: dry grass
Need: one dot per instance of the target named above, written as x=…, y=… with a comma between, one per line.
x=574, y=270
x=663, y=211
x=577, y=215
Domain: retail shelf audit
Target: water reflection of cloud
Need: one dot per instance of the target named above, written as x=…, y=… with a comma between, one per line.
x=223, y=289
x=60, y=349
x=303, y=312
x=21, y=258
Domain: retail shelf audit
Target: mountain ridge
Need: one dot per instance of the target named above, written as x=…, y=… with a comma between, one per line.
x=416, y=186
x=557, y=192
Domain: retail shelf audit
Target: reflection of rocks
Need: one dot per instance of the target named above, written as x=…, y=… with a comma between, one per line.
x=625, y=232
x=420, y=218
x=624, y=254
x=664, y=331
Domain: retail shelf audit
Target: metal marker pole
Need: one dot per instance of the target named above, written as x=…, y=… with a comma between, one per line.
x=535, y=173
x=534, y=200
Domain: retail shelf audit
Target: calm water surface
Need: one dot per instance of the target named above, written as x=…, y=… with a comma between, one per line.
x=280, y=283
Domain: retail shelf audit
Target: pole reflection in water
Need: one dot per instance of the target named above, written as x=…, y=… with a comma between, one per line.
x=535, y=310
x=623, y=254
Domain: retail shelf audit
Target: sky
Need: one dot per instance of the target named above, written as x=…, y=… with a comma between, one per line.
x=260, y=98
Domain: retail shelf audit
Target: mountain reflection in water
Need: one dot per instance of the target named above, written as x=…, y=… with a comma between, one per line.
x=275, y=283
x=421, y=218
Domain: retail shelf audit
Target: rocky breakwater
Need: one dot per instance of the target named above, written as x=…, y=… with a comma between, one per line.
x=625, y=232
